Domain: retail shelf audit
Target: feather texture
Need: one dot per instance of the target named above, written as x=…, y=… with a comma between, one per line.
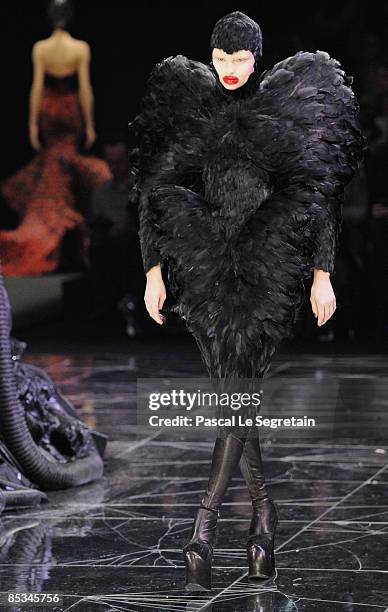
x=242, y=197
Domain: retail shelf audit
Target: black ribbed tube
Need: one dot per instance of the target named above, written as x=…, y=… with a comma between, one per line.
x=37, y=466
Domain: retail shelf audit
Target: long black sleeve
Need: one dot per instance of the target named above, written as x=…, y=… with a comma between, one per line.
x=314, y=143
x=164, y=171
x=328, y=228
x=169, y=133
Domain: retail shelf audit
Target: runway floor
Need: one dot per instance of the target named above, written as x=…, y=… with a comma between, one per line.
x=116, y=544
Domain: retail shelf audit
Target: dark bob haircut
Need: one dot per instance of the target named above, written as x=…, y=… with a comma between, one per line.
x=59, y=12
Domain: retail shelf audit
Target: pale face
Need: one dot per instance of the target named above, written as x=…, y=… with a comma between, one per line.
x=233, y=69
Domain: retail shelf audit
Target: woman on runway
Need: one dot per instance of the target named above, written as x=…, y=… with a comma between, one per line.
x=241, y=179
x=61, y=108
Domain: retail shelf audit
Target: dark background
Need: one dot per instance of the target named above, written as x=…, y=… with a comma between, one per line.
x=127, y=39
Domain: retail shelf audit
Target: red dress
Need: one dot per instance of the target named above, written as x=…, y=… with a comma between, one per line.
x=42, y=191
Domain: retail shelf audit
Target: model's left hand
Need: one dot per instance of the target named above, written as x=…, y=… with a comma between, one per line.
x=322, y=298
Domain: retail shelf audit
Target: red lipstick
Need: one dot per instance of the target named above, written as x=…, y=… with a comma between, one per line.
x=230, y=80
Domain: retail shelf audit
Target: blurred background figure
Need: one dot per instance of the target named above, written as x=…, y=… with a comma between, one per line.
x=116, y=265
x=43, y=193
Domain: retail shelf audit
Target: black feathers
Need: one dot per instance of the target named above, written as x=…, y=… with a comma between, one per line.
x=242, y=196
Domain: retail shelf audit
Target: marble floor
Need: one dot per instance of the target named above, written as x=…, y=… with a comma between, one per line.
x=115, y=544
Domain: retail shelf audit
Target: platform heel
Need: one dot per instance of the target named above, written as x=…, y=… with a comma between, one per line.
x=260, y=542
x=198, y=552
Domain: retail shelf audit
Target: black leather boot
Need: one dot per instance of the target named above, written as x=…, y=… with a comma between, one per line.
x=198, y=551
x=260, y=543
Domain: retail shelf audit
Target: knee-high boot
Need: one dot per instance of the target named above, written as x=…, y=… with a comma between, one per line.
x=260, y=543
x=198, y=551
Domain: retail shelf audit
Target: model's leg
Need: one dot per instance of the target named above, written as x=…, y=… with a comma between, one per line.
x=251, y=466
x=199, y=550
x=260, y=544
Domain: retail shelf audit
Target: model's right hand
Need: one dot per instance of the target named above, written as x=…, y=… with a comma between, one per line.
x=155, y=294
x=34, y=136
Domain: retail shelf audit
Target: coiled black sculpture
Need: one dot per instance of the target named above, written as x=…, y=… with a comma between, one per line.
x=42, y=440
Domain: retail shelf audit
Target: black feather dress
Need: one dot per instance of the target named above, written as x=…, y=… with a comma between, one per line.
x=240, y=196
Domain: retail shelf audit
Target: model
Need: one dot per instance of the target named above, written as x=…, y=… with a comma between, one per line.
x=42, y=192
x=241, y=180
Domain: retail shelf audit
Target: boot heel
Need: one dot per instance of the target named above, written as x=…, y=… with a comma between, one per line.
x=261, y=558
x=198, y=552
x=260, y=543
x=198, y=572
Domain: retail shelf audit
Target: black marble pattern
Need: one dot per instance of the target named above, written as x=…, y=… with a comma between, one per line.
x=116, y=544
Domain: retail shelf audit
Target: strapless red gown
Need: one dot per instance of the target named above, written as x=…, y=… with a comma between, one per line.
x=42, y=191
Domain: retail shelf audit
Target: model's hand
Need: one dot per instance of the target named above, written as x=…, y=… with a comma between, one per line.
x=34, y=136
x=155, y=294
x=322, y=297
x=90, y=136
